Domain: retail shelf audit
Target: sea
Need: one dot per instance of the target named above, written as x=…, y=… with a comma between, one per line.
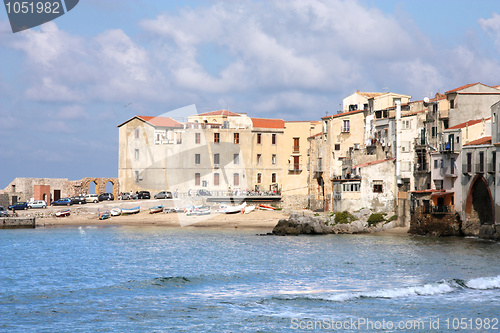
x=158, y=279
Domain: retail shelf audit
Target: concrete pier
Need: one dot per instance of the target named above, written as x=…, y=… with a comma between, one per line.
x=17, y=222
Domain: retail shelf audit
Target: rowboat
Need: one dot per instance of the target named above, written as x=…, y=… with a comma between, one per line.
x=104, y=215
x=155, y=209
x=266, y=207
x=63, y=213
x=116, y=211
x=232, y=209
x=248, y=209
x=134, y=210
x=203, y=210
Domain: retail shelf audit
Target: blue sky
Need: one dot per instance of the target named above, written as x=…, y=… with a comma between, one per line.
x=64, y=85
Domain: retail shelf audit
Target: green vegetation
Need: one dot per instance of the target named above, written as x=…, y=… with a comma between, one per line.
x=375, y=218
x=344, y=217
x=392, y=218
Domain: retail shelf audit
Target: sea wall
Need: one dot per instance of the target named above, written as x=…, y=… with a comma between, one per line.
x=17, y=222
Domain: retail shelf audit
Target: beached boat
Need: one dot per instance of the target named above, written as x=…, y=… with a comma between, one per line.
x=116, y=211
x=233, y=209
x=203, y=210
x=134, y=210
x=266, y=207
x=104, y=215
x=156, y=209
x=63, y=213
x=248, y=209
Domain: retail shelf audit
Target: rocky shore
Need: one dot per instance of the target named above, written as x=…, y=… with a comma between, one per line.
x=363, y=221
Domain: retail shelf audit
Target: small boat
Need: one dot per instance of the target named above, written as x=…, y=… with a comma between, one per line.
x=266, y=207
x=116, y=211
x=134, y=210
x=203, y=210
x=235, y=209
x=155, y=209
x=63, y=213
x=104, y=215
x=248, y=209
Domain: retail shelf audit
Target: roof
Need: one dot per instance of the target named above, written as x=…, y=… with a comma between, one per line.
x=342, y=114
x=369, y=94
x=157, y=121
x=462, y=87
x=468, y=123
x=372, y=163
x=268, y=123
x=481, y=141
x=426, y=191
x=315, y=135
x=220, y=113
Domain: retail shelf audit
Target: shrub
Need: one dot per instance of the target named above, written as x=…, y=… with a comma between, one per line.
x=392, y=218
x=375, y=218
x=344, y=217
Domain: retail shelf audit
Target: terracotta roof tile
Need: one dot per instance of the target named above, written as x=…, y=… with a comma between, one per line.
x=370, y=94
x=342, y=114
x=161, y=121
x=372, y=163
x=481, y=141
x=462, y=87
x=268, y=123
x=468, y=123
x=220, y=113
x=315, y=135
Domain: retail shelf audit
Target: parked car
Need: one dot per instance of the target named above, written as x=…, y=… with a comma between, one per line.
x=91, y=198
x=79, y=199
x=125, y=196
x=144, y=195
x=37, y=204
x=164, y=195
x=3, y=212
x=106, y=197
x=203, y=193
x=19, y=205
x=61, y=202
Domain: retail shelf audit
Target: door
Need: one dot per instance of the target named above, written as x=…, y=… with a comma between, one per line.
x=296, y=165
x=57, y=195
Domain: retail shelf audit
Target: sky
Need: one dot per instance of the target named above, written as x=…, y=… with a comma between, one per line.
x=67, y=84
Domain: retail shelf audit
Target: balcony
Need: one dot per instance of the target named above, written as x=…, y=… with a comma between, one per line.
x=443, y=210
x=318, y=168
x=480, y=167
x=445, y=148
x=466, y=168
x=491, y=168
x=419, y=167
x=296, y=150
x=295, y=167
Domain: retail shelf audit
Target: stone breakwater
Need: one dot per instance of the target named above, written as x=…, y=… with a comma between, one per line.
x=17, y=222
x=359, y=222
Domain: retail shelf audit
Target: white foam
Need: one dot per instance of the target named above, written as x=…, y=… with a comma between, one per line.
x=484, y=283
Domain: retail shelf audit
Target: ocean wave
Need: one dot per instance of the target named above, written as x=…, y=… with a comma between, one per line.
x=484, y=283
x=430, y=289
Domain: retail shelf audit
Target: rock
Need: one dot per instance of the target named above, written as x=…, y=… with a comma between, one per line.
x=300, y=224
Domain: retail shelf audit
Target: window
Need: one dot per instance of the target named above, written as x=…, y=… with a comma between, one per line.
x=197, y=178
x=435, y=164
x=441, y=164
x=136, y=173
x=296, y=145
x=236, y=179
x=494, y=162
x=337, y=146
x=469, y=162
x=216, y=137
x=179, y=138
x=353, y=107
x=216, y=160
x=259, y=138
x=197, y=138
x=434, y=131
x=446, y=123
x=481, y=161
x=439, y=184
x=273, y=139
x=259, y=178
x=197, y=159
x=216, y=179
x=236, y=138
x=236, y=158
x=346, y=126
x=377, y=188
x=273, y=159
x=452, y=166
x=452, y=104
x=273, y=178
x=405, y=146
x=259, y=159
x=136, y=133
x=406, y=124
x=137, y=154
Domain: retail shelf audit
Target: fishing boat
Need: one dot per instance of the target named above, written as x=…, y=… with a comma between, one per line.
x=203, y=210
x=266, y=207
x=63, y=213
x=248, y=209
x=235, y=209
x=155, y=209
x=104, y=215
x=134, y=210
x=116, y=211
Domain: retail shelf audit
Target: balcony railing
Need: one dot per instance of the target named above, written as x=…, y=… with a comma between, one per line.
x=294, y=167
x=443, y=209
x=466, y=168
x=296, y=149
x=421, y=167
x=491, y=168
x=480, y=167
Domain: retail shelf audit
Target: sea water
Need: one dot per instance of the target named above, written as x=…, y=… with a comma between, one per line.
x=153, y=279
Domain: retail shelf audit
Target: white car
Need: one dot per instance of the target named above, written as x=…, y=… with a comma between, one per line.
x=92, y=198
x=37, y=204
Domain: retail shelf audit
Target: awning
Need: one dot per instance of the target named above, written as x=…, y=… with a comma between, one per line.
x=442, y=194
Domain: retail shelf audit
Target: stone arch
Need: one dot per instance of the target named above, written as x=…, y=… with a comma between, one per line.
x=479, y=206
x=100, y=184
